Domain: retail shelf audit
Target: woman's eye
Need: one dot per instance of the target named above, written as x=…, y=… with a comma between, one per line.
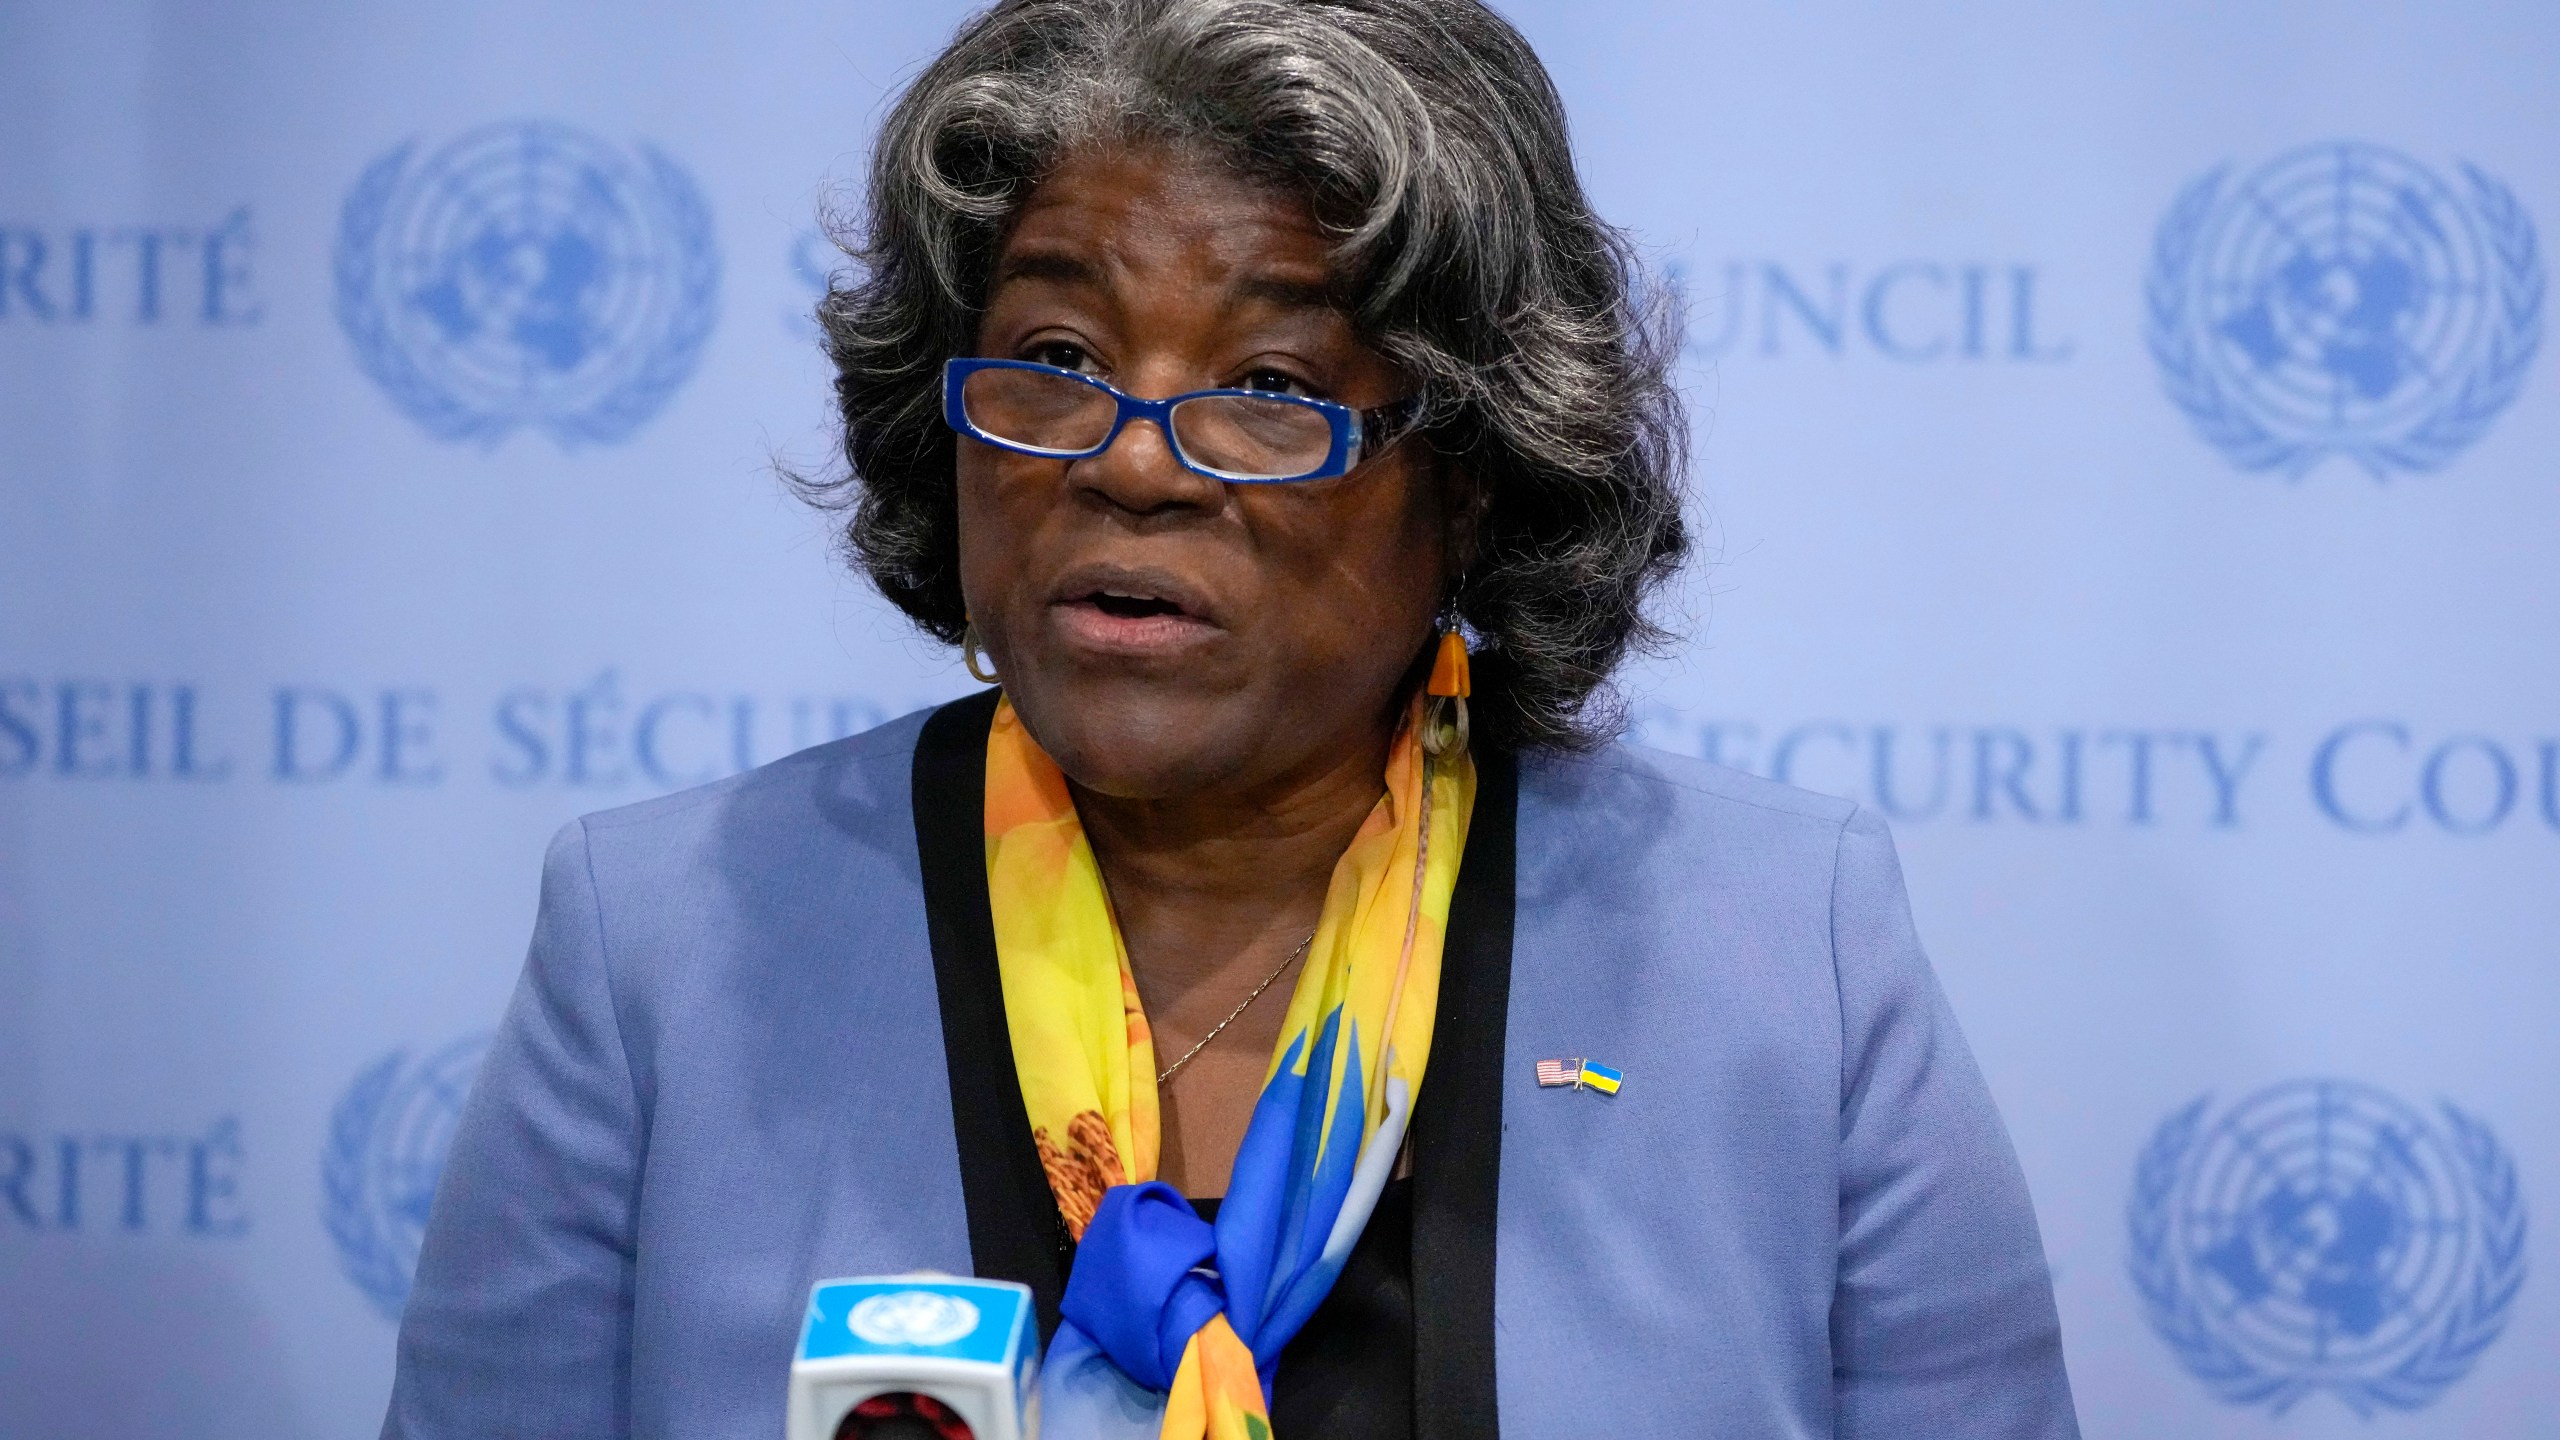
x=1278, y=382
x=1066, y=355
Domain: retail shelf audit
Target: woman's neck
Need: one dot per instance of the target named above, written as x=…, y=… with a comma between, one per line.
x=1200, y=883
x=1214, y=896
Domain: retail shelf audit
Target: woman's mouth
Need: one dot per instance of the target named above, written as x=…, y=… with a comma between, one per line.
x=1128, y=617
x=1131, y=607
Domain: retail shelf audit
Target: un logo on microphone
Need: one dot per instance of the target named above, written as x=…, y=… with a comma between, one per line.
x=527, y=275
x=2344, y=300
x=387, y=1144
x=2322, y=1235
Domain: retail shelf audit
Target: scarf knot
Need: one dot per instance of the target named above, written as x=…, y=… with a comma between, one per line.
x=1144, y=1280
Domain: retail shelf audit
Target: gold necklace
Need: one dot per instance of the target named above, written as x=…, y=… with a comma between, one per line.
x=1267, y=982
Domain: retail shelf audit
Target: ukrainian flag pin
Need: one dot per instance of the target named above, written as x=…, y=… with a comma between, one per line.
x=1601, y=1078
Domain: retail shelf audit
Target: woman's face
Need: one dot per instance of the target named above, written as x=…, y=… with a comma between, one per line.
x=1164, y=634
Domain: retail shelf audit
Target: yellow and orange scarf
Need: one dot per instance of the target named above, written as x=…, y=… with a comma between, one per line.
x=1173, y=1328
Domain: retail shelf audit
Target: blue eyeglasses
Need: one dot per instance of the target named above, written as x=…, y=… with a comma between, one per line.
x=1244, y=437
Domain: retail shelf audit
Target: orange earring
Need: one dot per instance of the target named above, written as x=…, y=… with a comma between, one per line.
x=1444, y=716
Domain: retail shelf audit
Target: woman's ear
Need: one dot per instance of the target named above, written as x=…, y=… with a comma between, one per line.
x=1464, y=503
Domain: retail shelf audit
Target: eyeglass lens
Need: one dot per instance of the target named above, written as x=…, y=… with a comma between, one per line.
x=1231, y=434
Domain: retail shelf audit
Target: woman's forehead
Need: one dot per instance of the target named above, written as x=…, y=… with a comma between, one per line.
x=1106, y=216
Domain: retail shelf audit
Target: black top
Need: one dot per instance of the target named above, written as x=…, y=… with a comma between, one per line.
x=1386, y=1354
x=1349, y=1373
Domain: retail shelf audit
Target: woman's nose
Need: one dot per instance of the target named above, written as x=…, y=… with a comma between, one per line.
x=1139, y=473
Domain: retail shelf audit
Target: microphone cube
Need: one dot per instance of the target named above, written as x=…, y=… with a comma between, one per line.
x=972, y=1347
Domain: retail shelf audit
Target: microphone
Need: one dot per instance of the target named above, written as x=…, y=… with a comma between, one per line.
x=916, y=1357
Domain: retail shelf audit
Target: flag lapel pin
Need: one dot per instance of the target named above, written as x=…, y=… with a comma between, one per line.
x=1581, y=1075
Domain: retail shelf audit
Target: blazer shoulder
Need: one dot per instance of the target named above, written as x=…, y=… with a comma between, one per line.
x=1657, y=832
x=1717, y=794
x=875, y=762
x=879, y=752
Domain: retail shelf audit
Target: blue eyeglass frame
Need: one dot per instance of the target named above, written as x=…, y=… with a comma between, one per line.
x=1357, y=434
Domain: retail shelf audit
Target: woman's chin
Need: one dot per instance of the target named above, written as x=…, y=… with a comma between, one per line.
x=1136, y=738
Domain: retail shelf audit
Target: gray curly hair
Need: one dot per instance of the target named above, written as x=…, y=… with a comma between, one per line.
x=1428, y=140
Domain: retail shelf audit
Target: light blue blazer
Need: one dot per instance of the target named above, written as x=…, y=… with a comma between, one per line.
x=723, y=1077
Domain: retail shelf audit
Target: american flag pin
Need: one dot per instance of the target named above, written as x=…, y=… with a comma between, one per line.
x=1560, y=1072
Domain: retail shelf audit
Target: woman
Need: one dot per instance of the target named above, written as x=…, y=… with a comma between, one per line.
x=1218, y=375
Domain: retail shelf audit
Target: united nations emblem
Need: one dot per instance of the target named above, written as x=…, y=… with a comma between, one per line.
x=2324, y=1236
x=2344, y=300
x=527, y=274
x=387, y=1143
x=921, y=1318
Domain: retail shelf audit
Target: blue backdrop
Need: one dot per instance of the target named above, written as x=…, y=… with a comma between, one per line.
x=2124, y=449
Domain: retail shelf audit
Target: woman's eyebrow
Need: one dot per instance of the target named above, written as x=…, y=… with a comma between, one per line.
x=1289, y=294
x=1054, y=265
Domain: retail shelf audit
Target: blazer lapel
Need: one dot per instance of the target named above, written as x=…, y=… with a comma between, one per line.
x=1457, y=1127
x=1014, y=1230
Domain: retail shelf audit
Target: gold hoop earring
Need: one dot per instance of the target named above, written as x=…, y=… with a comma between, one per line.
x=1444, y=715
x=973, y=654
